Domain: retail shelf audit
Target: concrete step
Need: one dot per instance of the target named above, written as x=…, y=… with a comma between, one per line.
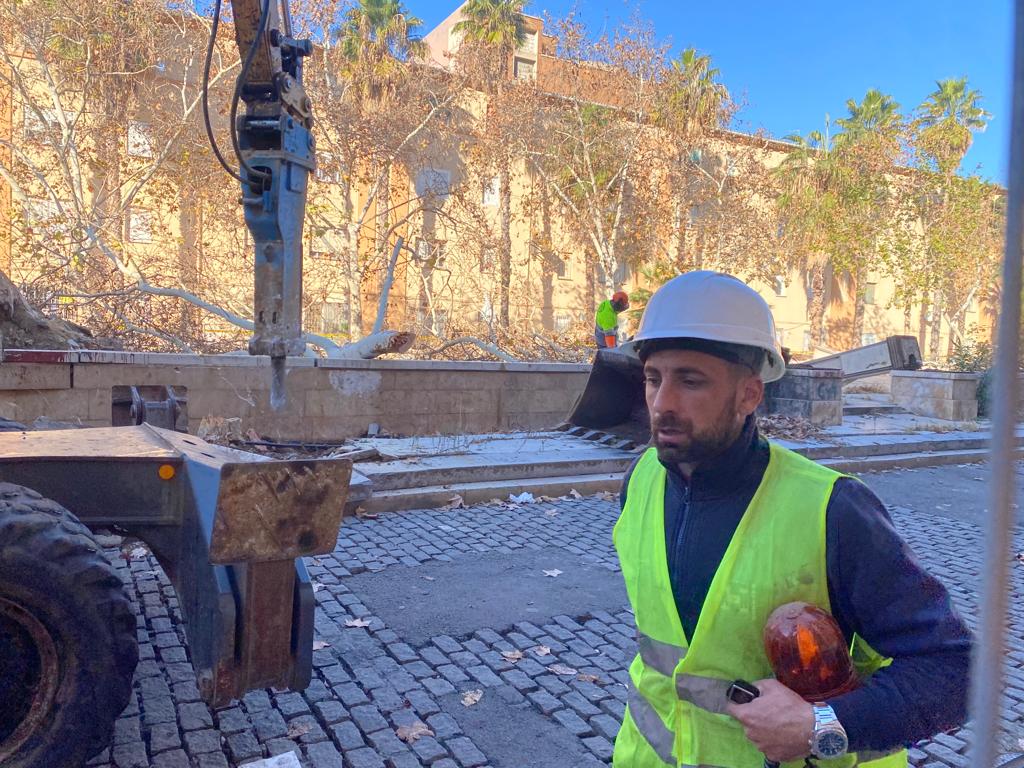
x=911, y=445
x=879, y=409
x=909, y=460
x=471, y=469
x=432, y=497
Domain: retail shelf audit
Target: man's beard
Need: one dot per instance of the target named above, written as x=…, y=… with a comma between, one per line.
x=689, y=448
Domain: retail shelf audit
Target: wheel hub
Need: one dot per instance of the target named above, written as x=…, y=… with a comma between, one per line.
x=29, y=675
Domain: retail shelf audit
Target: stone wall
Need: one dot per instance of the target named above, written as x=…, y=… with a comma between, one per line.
x=327, y=399
x=939, y=394
x=815, y=394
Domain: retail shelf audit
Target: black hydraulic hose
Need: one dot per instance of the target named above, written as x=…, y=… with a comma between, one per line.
x=206, y=95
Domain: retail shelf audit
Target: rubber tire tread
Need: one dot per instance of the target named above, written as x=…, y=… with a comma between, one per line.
x=52, y=566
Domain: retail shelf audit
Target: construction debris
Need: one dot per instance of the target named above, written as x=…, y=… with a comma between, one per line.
x=782, y=427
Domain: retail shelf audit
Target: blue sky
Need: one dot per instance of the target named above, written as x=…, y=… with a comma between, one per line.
x=791, y=64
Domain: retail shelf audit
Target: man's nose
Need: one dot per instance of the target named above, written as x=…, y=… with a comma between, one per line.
x=663, y=401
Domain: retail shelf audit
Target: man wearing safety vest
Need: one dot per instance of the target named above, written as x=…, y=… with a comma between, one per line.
x=719, y=527
x=606, y=323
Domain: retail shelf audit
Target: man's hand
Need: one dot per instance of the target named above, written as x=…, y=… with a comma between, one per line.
x=778, y=722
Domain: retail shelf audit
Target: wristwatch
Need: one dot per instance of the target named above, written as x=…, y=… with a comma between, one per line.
x=829, y=737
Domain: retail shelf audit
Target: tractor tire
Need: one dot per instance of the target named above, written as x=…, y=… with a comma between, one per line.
x=68, y=645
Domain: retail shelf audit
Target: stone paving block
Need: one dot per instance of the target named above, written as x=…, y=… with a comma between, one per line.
x=465, y=752
x=243, y=746
x=422, y=702
x=552, y=685
x=323, y=755
x=600, y=746
x=475, y=646
x=386, y=742
x=174, y=759
x=368, y=718
x=387, y=699
x=163, y=737
x=200, y=742
x=346, y=736
x=256, y=701
x=429, y=750
x=404, y=760
x=126, y=731
x=444, y=725
x=520, y=681
x=575, y=701
x=438, y=687
x=281, y=746
x=192, y=717
x=130, y=755
x=946, y=755
x=316, y=691
x=452, y=674
x=306, y=729
x=446, y=644
x=231, y=720
x=330, y=712
x=606, y=726
x=484, y=676
x=291, y=705
x=545, y=702
x=186, y=691
x=335, y=674
x=364, y=758
x=351, y=695
x=433, y=656
x=211, y=760
x=269, y=724
x=573, y=722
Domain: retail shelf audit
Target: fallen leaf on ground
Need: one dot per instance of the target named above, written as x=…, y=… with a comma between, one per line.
x=455, y=502
x=553, y=573
x=512, y=656
x=428, y=578
x=546, y=498
x=362, y=514
x=295, y=730
x=562, y=669
x=522, y=498
x=319, y=645
x=357, y=623
x=583, y=677
x=574, y=494
x=542, y=650
x=551, y=512
x=317, y=586
x=410, y=733
x=470, y=698
x=138, y=553
x=606, y=496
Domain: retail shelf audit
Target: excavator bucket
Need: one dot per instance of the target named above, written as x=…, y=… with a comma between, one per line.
x=613, y=400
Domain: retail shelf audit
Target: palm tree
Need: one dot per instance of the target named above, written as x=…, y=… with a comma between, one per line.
x=497, y=28
x=812, y=177
x=868, y=148
x=944, y=126
x=946, y=120
x=376, y=40
x=694, y=100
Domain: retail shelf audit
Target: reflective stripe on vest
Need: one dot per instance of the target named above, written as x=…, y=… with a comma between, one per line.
x=649, y=724
x=659, y=656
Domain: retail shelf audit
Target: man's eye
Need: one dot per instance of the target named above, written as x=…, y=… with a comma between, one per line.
x=651, y=381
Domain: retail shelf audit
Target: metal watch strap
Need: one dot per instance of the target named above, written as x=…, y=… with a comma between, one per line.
x=823, y=715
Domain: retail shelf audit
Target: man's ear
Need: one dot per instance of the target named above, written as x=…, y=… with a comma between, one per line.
x=751, y=392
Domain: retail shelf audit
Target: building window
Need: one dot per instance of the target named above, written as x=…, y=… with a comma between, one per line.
x=431, y=253
x=780, y=285
x=867, y=338
x=140, y=143
x=327, y=169
x=39, y=125
x=333, y=317
x=492, y=192
x=869, y=293
x=488, y=257
x=525, y=70
x=563, y=323
x=434, y=183
x=140, y=226
x=529, y=44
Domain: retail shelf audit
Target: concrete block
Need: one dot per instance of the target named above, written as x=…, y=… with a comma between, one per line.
x=23, y=376
x=826, y=413
x=966, y=389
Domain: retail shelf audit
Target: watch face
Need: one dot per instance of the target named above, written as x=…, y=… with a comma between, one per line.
x=831, y=744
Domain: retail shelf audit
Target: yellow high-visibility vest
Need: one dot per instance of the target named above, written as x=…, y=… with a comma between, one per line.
x=675, y=713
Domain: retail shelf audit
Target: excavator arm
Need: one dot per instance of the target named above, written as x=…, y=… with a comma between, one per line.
x=276, y=152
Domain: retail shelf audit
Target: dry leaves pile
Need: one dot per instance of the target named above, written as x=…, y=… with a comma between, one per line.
x=787, y=427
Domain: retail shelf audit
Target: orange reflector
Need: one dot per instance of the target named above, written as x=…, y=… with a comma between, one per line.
x=166, y=472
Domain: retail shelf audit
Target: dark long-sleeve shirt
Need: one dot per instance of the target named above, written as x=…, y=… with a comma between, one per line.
x=877, y=588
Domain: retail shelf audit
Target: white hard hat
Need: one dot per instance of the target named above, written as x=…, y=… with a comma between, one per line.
x=713, y=306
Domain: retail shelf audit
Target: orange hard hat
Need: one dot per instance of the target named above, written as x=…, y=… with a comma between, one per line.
x=620, y=296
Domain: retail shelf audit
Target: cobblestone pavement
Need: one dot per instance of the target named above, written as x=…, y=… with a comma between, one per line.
x=523, y=606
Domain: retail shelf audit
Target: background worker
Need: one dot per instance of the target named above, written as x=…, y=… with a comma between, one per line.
x=719, y=527
x=606, y=328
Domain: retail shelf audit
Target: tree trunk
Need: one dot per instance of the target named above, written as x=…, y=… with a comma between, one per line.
x=505, y=244
x=922, y=324
x=22, y=326
x=936, y=329
x=816, y=309
x=859, y=306
x=547, y=266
